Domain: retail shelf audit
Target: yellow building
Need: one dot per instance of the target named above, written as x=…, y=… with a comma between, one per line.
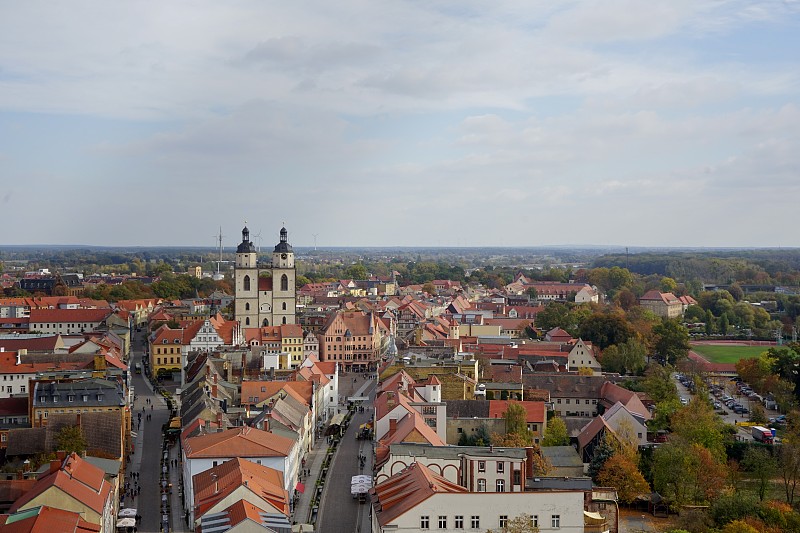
x=166, y=349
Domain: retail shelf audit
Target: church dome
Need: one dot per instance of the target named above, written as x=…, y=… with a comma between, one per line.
x=246, y=246
x=283, y=246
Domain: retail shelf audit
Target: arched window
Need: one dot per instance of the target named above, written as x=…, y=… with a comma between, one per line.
x=284, y=283
x=265, y=323
x=247, y=306
x=247, y=321
x=284, y=306
x=247, y=283
x=284, y=320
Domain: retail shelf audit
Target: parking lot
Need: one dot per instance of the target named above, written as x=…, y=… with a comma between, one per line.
x=732, y=400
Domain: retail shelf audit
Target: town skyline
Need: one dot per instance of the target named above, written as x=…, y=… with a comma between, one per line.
x=513, y=124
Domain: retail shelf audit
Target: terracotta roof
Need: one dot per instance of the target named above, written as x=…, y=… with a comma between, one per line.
x=76, y=477
x=45, y=519
x=218, y=482
x=238, y=442
x=264, y=284
x=33, y=344
x=666, y=297
x=535, y=411
x=262, y=390
x=68, y=315
x=407, y=489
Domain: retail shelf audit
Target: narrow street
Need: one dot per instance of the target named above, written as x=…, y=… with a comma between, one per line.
x=146, y=459
x=339, y=512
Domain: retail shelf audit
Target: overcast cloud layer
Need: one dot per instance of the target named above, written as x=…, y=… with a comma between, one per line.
x=510, y=123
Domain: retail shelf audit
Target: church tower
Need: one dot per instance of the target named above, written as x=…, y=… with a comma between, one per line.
x=246, y=282
x=283, y=282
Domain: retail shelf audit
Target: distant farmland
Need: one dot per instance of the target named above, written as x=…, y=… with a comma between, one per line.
x=728, y=353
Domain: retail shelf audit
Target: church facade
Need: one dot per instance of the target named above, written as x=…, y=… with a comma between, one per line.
x=265, y=295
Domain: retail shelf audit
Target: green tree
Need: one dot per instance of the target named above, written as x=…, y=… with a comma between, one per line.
x=604, y=451
x=532, y=294
x=357, y=271
x=694, y=313
x=760, y=463
x=789, y=456
x=626, y=358
x=554, y=315
x=709, y=323
x=671, y=341
x=724, y=324
x=517, y=421
x=658, y=383
x=556, y=434
x=71, y=439
x=697, y=423
x=605, y=329
x=668, y=285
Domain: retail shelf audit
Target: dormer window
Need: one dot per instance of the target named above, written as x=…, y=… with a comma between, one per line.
x=99, y=397
x=42, y=399
x=85, y=397
x=71, y=398
x=55, y=399
x=165, y=341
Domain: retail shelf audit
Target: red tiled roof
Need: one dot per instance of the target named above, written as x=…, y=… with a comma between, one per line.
x=49, y=520
x=535, y=410
x=238, y=442
x=46, y=316
x=407, y=489
x=215, y=484
x=81, y=480
x=301, y=390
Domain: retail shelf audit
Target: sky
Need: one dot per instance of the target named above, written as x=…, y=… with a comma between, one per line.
x=402, y=123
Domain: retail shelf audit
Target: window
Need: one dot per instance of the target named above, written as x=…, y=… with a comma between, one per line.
x=517, y=477
x=587, y=402
x=247, y=306
x=567, y=401
x=481, y=466
x=284, y=284
x=555, y=520
x=481, y=485
x=503, y=520
x=535, y=520
x=424, y=522
x=476, y=522
x=247, y=283
x=500, y=485
x=558, y=400
x=459, y=522
x=442, y=522
x=500, y=467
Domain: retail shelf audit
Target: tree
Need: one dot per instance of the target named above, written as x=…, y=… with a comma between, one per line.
x=671, y=341
x=519, y=524
x=626, y=299
x=554, y=315
x=532, y=294
x=789, y=456
x=605, y=329
x=658, y=383
x=429, y=288
x=724, y=324
x=620, y=472
x=71, y=439
x=357, y=272
x=626, y=358
x=760, y=463
x=697, y=423
x=517, y=422
x=604, y=451
x=668, y=285
x=556, y=434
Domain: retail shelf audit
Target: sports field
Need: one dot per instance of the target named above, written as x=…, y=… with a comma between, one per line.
x=727, y=354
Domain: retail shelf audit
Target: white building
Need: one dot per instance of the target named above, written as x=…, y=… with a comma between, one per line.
x=260, y=447
x=418, y=500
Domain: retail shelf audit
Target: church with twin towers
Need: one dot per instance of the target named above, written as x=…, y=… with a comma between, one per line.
x=264, y=294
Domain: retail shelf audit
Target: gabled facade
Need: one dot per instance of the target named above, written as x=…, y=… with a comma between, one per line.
x=352, y=339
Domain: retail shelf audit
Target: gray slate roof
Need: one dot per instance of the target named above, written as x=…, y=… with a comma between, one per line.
x=467, y=408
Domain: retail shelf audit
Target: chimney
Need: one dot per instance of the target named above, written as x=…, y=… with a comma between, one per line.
x=529, y=463
x=55, y=464
x=18, y=362
x=215, y=379
x=214, y=390
x=61, y=455
x=219, y=420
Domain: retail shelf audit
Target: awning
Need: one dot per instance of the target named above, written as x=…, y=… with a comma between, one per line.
x=300, y=488
x=126, y=522
x=126, y=512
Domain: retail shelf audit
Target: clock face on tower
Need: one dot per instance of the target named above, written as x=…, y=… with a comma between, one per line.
x=283, y=256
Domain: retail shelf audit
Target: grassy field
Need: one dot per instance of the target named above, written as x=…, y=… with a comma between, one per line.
x=728, y=354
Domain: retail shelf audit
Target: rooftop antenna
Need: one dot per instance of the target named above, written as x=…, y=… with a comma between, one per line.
x=315, y=240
